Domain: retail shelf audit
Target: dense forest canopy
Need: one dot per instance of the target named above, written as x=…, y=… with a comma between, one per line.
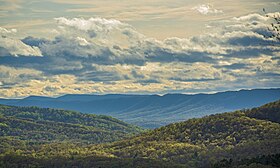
x=244, y=138
x=48, y=125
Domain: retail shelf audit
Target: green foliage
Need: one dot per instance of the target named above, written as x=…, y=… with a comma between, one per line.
x=66, y=116
x=268, y=161
x=245, y=138
x=268, y=112
x=50, y=125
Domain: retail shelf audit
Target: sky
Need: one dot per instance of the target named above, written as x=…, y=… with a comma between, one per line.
x=57, y=47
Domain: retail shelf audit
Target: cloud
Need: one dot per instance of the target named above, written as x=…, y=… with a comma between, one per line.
x=207, y=9
x=147, y=16
x=10, y=76
x=97, y=24
x=98, y=55
x=14, y=47
x=5, y=31
x=254, y=17
x=32, y=41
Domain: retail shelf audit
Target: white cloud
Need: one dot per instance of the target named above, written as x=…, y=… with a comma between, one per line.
x=98, y=24
x=82, y=41
x=99, y=30
x=18, y=48
x=6, y=31
x=254, y=17
x=206, y=9
x=15, y=47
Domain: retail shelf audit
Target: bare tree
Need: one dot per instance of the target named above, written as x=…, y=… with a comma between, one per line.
x=274, y=27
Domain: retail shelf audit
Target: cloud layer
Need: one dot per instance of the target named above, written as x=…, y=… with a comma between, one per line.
x=98, y=55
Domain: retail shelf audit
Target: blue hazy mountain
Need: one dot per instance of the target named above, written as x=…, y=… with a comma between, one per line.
x=153, y=110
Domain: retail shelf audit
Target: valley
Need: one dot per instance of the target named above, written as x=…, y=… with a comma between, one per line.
x=153, y=111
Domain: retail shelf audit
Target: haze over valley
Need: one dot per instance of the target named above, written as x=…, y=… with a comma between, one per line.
x=152, y=111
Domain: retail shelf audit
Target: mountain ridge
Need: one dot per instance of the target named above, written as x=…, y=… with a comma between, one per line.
x=151, y=111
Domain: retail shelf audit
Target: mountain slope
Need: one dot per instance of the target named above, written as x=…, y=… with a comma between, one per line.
x=269, y=112
x=49, y=125
x=152, y=111
x=204, y=141
x=223, y=140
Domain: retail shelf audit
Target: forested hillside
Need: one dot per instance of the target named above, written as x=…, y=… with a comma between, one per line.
x=44, y=125
x=269, y=112
x=245, y=138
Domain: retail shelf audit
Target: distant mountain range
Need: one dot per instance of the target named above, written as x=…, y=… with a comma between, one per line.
x=152, y=111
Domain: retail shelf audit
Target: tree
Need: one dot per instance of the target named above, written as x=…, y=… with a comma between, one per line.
x=274, y=27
